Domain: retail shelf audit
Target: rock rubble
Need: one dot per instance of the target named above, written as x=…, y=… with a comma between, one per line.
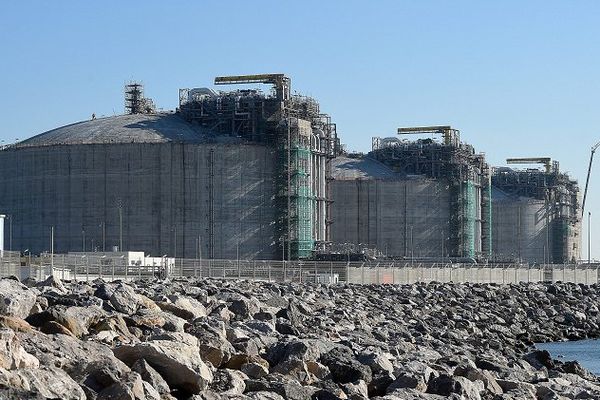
x=206, y=339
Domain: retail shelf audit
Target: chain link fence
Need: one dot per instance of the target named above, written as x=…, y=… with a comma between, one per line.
x=10, y=263
x=89, y=267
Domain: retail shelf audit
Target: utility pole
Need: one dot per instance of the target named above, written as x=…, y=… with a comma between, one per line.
x=442, y=244
x=2, y=217
x=120, y=227
x=174, y=241
x=589, y=237
x=52, y=248
x=412, y=247
x=348, y=254
x=10, y=218
x=104, y=236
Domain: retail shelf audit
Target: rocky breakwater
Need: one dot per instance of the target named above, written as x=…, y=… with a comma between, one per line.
x=209, y=339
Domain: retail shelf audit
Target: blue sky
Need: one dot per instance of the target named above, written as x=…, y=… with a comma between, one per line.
x=517, y=78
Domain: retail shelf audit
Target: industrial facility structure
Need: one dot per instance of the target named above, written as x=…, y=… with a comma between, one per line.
x=536, y=213
x=251, y=175
x=303, y=141
x=436, y=198
x=231, y=174
x=425, y=198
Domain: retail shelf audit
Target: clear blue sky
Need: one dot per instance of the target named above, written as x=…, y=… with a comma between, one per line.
x=518, y=78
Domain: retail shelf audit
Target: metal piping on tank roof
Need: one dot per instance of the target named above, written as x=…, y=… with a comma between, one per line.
x=546, y=161
x=282, y=83
x=451, y=136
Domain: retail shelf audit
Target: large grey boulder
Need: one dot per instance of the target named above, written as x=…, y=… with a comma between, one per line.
x=124, y=299
x=112, y=327
x=446, y=385
x=356, y=390
x=178, y=363
x=151, y=318
x=244, y=308
x=474, y=374
x=229, y=382
x=295, y=369
x=52, y=283
x=46, y=382
x=16, y=299
x=12, y=354
x=287, y=388
x=14, y=323
x=377, y=361
x=76, y=319
x=68, y=353
x=263, y=395
x=131, y=387
x=151, y=376
x=300, y=349
x=183, y=306
x=97, y=375
x=213, y=343
x=344, y=367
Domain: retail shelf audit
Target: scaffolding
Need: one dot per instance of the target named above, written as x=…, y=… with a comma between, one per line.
x=135, y=102
x=469, y=219
x=486, y=212
x=305, y=140
x=301, y=202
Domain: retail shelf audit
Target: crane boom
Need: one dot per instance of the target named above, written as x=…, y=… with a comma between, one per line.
x=587, y=179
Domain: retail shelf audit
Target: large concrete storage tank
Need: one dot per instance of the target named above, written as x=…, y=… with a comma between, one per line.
x=426, y=198
x=520, y=228
x=230, y=174
x=373, y=207
x=536, y=215
x=154, y=183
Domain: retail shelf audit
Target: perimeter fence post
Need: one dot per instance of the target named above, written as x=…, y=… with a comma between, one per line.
x=362, y=273
x=330, y=271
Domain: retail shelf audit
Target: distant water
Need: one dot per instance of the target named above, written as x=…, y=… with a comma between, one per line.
x=587, y=352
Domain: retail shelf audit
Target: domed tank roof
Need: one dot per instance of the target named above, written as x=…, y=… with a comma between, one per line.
x=346, y=168
x=132, y=128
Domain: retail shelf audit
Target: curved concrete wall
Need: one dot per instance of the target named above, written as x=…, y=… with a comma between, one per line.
x=172, y=195
x=520, y=230
x=398, y=217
